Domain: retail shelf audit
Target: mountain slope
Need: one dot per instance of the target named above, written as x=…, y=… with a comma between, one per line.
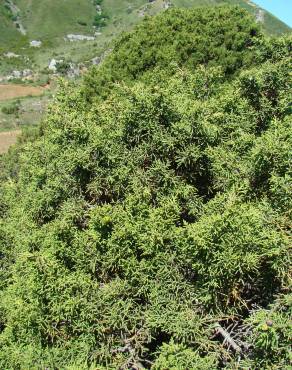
x=271, y=24
x=48, y=19
x=51, y=20
x=9, y=34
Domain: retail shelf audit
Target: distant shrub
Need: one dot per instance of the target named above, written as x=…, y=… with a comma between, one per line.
x=63, y=67
x=100, y=20
x=12, y=108
x=82, y=23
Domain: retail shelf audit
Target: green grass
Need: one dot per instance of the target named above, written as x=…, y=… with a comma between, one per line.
x=9, y=36
x=271, y=25
x=49, y=19
x=30, y=112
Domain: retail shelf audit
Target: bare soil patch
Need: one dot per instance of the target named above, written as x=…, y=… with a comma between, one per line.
x=17, y=91
x=7, y=139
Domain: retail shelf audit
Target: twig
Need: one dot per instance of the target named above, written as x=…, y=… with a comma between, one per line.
x=227, y=337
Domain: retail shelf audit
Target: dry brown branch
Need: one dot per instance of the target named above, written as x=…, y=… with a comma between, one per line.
x=227, y=338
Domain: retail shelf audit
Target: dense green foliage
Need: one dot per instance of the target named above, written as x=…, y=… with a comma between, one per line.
x=181, y=38
x=100, y=19
x=148, y=211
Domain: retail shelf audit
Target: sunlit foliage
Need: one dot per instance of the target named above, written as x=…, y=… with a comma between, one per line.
x=145, y=214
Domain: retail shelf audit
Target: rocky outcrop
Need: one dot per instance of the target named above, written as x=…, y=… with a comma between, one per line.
x=35, y=43
x=25, y=74
x=260, y=16
x=10, y=55
x=73, y=37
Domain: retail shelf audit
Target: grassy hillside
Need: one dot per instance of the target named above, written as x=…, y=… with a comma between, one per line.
x=120, y=11
x=8, y=32
x=50, y=20
x=271, y=24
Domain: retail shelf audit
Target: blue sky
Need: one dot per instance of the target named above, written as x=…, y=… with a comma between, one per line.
x=280, y=8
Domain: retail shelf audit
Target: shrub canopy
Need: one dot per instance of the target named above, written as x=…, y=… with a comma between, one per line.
x=148, y=212
x=218, y=36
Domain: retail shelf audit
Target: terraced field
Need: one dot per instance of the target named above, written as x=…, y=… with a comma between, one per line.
x=7, y=139
x=20, y=106
x=13, y=91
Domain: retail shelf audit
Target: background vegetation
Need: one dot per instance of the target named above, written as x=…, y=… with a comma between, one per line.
x=51, y=20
